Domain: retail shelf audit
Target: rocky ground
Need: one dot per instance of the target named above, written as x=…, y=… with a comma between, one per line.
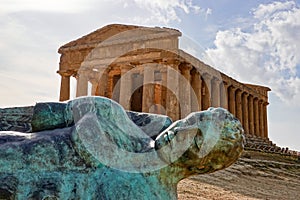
x=254, y=176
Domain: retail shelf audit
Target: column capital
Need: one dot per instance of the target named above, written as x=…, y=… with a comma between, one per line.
x=185, y=66
x=206, y=76
x=216, y=79
x=66, y=72
x=232, y=88
x=246, y=94
x=239, y=91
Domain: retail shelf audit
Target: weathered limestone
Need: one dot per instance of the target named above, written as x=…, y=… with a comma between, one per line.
x=171, y=81
x=256, y=117
x=251, y=115
x=206, y=91
x=224, y=94
x=82, y=85
x=196, y=86
x=231, y=100
x=65, y=88
x=172, y=101
x=238, y=103
x=125, y=87
x=215, y=91
x=245, y=112
x=148, y=88
x=265, y=120
x=185, y=90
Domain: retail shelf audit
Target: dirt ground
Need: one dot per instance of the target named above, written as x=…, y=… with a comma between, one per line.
x=254, y=176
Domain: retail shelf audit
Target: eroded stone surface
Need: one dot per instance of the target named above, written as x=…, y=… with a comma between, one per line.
x=95, y=151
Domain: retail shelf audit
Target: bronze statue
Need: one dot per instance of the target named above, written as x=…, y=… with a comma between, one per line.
x=91, y=148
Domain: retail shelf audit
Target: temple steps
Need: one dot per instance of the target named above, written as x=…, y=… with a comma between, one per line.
x=267, y=146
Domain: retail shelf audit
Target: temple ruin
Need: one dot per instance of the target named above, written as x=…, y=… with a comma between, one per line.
x=143, y=69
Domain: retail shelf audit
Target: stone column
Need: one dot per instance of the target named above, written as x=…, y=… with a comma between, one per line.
x=125, y=87
x=251, y=115
x=261, y=119
x=224, y=95
x=148, y=88
x=82, y=84
x=64, y=87
x=265, y=120
x=238, y=105
x=196, y=85
x=245, y=112
x=172, y=105
x=94, y=86
x=185, y=90
x=215, y=91
x=164, y=83
x=102, y=83
x=231, y=100
x=206, y=91
x=256, y=117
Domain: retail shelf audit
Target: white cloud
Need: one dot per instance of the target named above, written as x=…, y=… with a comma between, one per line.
x=265, y=53
x=166, y=10
x=71, y=6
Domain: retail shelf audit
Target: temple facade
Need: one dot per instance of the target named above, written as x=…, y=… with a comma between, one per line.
x=144, y=70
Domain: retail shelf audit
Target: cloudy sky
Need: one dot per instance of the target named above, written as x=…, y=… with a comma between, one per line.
x=250, y=40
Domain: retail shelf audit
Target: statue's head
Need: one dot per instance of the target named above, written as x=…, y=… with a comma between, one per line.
x=203, y=142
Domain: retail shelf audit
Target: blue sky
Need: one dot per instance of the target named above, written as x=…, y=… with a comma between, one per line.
x=252, y=41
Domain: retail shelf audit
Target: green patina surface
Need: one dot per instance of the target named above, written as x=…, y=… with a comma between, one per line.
x=90, y=148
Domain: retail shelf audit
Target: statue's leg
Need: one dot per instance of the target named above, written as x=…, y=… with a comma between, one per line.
x=16, y=119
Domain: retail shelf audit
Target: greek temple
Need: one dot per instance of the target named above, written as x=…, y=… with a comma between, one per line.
x=144, y=70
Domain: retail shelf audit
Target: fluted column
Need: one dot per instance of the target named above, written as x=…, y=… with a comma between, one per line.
x=172, y=105
x=196, y=85
x=215, y=91
x=224, y=95
x=238, y=103
x=265, y=120
x=82, y=84
x=231, y=100
x=64, y=87
x=148, y=88
x=102, y=83
x=164, y=78
x=185, y=90
x=245, y=112
x=125, y=87
x=251, y=115
x=94, y=86
x=261, y=119
x=206, y=91
x=256, y=117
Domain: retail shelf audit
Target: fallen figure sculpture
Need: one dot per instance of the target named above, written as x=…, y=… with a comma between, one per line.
x=91, y=148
